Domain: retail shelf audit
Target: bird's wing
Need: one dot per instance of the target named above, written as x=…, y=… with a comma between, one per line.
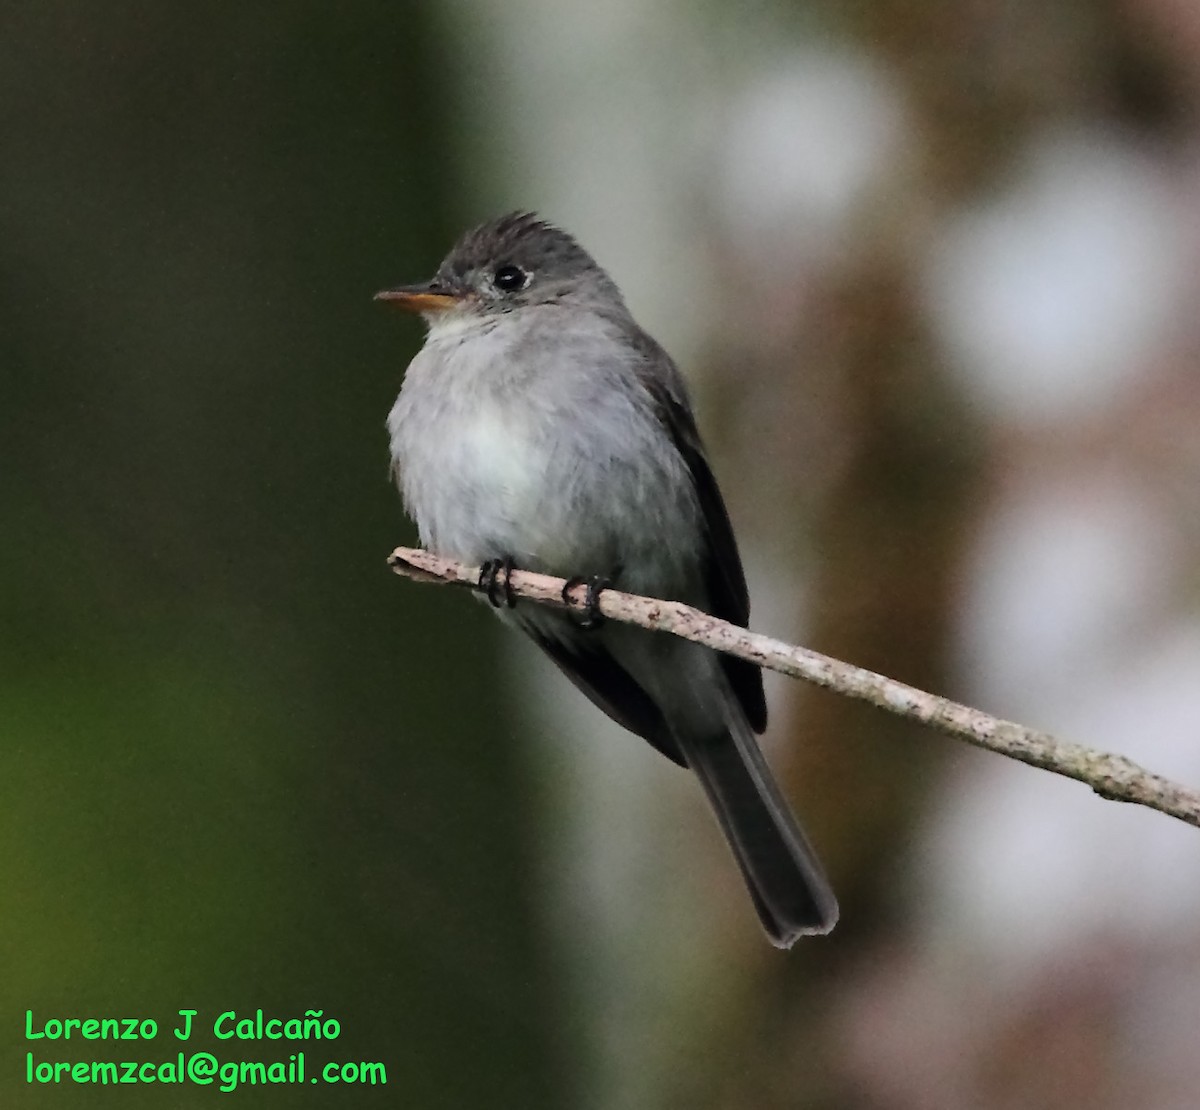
x=728, y=597
x=593, y=669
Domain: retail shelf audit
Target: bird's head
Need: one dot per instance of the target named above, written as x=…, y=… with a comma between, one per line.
x=515, y=262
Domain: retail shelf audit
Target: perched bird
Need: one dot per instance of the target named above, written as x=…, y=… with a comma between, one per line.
x=539, y=427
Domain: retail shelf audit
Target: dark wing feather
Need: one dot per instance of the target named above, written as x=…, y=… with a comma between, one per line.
x=726, y=581
x=611, y=687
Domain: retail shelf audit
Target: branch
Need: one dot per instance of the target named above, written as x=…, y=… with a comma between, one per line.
x=1110, y=776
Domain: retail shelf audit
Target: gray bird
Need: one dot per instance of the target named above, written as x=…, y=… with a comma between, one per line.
x=539, y=427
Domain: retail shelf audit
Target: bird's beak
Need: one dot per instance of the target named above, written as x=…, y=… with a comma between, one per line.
x=429, y=297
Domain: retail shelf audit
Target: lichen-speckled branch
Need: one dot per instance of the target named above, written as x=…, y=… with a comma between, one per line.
x=1110, y=776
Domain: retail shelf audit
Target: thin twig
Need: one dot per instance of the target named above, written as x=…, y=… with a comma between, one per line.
x=1110, y=776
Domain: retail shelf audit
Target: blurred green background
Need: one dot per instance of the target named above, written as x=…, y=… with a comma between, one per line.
x=930, y=267
x=242, y=765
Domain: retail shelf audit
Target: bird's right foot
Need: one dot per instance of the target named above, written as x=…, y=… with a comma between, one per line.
x=491, y=583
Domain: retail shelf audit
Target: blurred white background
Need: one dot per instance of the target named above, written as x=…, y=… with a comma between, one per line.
x=932, y=271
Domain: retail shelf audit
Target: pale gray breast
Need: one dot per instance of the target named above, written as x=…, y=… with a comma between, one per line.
x=541, y=442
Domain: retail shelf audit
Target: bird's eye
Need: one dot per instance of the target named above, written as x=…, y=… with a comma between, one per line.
x=508, y=279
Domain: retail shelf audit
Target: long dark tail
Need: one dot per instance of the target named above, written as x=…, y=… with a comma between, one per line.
x=781, y=870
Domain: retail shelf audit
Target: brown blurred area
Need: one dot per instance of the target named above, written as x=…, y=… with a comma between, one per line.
x=869, y=1018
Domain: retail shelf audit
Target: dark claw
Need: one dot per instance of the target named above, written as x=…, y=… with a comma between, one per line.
x=489, y=581
x=592, y=617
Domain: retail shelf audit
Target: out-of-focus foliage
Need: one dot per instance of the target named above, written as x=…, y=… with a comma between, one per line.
x=240, y=764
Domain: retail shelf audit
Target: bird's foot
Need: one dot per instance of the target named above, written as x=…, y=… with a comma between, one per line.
x=596, y=585
x=496, y=575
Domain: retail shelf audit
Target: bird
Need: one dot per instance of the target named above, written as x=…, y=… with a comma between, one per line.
x=541, y=428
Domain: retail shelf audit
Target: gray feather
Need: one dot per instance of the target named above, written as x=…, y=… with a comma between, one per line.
x=539, y=422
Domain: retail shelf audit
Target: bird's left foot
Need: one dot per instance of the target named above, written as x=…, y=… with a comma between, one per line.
x=592, y=617
x=496, y=575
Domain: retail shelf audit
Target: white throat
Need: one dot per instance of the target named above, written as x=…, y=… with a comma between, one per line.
x=456, y=324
